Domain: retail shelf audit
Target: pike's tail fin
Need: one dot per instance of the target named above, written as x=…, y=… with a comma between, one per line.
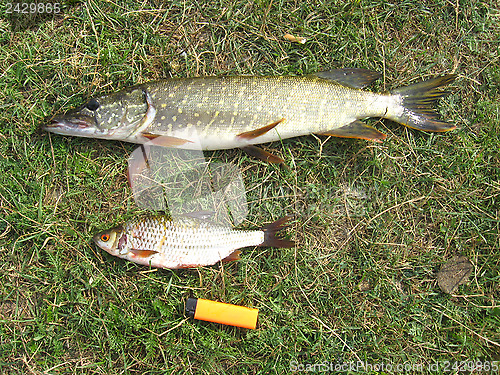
x=417, y=104
x=272, y=237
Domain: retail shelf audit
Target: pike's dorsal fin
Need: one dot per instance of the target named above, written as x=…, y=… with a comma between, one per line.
x=165, y=140
x=258, y=132
x=142, y=253
x=357, y=129
x=235, y=255
x=261, y=154
x=355, y=78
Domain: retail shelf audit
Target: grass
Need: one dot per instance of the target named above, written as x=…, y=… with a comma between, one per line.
x=374, y=221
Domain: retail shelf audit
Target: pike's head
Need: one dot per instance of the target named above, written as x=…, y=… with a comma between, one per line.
x=115, y=116
x=111, y=240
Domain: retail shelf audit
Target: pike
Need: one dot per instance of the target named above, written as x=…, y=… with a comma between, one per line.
x=186, y=241
x=213, y=113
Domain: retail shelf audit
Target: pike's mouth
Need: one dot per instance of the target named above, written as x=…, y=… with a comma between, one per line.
x=75, y=124
x=62, y=123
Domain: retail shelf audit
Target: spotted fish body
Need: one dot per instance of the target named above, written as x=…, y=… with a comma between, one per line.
x=212, y=113
x=158, y=241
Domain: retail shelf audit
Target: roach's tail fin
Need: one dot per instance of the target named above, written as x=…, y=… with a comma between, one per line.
x=272, y=237
x=418, y=100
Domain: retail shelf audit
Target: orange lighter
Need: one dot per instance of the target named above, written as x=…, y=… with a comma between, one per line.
x=224, y=313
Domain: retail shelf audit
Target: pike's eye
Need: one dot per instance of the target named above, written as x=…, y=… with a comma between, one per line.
x=92, y=104
x=105, y=237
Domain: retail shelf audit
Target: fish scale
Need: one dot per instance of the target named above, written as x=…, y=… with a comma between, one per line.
x=188, y=241
x=159, y=241
x=300, y=100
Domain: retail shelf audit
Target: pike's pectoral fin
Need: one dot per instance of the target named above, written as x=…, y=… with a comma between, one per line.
x=261, y=154
x=142, y=253
x=357, y=129
x=258, y=132
x=351, y=77
x=165, y=140
x=235, y=255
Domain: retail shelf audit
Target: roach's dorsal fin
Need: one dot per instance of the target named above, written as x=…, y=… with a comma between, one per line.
x=142, y=253
x=261, y=154
x=357, y=129
x=356, y=78
x=235, y=255
x=258, y=132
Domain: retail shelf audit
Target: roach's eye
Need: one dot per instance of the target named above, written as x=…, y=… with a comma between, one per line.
x=105, y=237
x=92, y=104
